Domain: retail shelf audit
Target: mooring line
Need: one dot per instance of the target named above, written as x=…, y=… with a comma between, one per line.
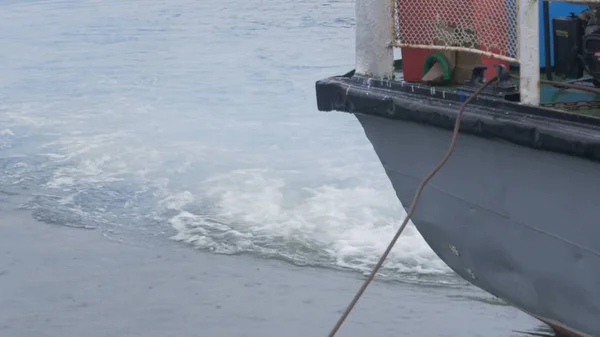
x=412, y=208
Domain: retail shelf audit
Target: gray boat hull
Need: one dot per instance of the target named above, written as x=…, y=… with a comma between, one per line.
x=520, y=223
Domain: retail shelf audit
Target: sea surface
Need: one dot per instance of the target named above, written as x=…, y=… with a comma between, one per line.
x=191, y=127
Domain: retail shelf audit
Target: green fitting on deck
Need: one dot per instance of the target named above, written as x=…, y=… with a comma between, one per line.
x=442, y=60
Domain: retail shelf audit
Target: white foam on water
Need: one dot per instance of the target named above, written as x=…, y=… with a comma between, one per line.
x=6, y=132
x=257, y=211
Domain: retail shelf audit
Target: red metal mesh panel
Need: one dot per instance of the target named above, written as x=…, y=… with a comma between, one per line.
x=484, y=25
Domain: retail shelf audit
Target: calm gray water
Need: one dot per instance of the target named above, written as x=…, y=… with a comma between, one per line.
x=194, y=123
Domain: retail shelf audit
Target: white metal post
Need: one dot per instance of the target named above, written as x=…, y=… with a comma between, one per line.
x=374, y=52
x=529, y=52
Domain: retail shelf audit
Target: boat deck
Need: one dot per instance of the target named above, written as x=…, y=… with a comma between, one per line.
x=564, y=99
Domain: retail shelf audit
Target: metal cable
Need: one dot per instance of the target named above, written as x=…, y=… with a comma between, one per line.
x=566, y=85
x=411, y=210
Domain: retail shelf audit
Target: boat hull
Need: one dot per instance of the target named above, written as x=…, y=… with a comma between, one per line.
x=517, y=222
x=515, y=209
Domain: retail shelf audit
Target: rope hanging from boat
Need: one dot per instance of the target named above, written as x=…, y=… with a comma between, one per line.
x=411, y=210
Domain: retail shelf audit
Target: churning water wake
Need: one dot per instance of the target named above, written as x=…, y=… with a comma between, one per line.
x=196, y=121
